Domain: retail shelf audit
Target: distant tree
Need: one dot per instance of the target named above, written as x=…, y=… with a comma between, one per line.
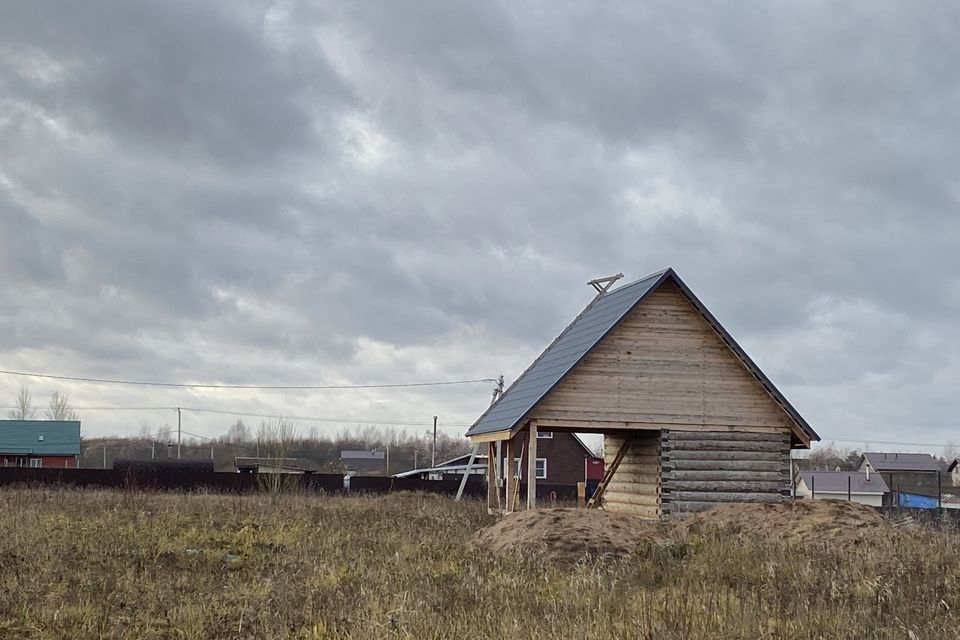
x=164, y=433
x=951, y=452
x=829, y=457
x=238, y=433
x=24, y=408
x=60, y=409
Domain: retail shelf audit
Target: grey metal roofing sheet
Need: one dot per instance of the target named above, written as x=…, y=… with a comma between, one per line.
x=571, y=346
x=903, y=461
x=836, y=482
x=59, y=437
x=598, y=319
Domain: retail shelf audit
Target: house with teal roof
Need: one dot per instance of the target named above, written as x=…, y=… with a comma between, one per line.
x=40, y=443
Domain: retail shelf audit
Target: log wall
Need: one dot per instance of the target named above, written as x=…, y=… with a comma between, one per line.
x=635, y=487
x=700, y=469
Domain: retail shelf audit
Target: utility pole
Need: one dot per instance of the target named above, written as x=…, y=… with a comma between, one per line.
x=388, y=458
x=178, y=433
x=104, y=457
x=433, y=453
x=153, y=449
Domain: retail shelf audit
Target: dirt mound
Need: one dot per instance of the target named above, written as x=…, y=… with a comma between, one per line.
x=569, y=533
x=810, y=521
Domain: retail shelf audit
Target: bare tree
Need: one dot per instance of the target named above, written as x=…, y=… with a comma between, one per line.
x=60, y=409
x=238, y=433
x=24, y=409
x=951, y=452
x=276, y=438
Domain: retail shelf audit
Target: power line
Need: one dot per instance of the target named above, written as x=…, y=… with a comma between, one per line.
x=179, y=385
x=244, y=414
x=10, y=406
x=318, y=419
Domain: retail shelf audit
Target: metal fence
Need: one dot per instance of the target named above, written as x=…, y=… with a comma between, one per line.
x=183, y=479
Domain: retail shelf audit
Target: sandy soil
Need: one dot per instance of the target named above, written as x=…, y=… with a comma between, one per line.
x=835, y=521
x=569, y=533
x=565, y=533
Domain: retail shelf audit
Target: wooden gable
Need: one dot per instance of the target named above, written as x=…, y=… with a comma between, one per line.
x=664, y=367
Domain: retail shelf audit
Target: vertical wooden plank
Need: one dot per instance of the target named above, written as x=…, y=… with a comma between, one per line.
x=491, y=476
x=532, y=465
x=508, y=474
x=499, y=475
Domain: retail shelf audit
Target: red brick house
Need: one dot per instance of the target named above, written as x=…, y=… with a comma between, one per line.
x=562, y=458
x=39, y=443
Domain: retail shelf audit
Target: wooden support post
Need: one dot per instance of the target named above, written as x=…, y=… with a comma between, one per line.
x=492, y=489
x=499, y=475
x=581, y=494
x=508, y=475
x=466, y=472
x=608, y=474
x=532, y=466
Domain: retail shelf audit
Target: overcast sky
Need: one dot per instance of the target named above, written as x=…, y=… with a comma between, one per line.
x=319, y=193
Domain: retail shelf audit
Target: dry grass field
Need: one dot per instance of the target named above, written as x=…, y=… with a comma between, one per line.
x=94, y=564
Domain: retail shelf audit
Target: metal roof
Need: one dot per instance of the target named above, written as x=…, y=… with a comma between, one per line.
x=903, y=461
x=579, y=338
x=361, y=454
x=836, y=482
x=595, y=322
x=40, y=437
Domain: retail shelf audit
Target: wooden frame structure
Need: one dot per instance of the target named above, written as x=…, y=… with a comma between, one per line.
x=688, y=419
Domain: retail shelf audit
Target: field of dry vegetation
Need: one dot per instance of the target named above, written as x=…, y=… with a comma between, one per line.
x=134, y=565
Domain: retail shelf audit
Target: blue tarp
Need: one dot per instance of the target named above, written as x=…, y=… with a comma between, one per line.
x=913, y=501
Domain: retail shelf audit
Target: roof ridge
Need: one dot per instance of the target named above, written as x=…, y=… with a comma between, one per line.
x=655, y=274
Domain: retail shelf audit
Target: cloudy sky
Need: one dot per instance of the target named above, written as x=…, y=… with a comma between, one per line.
x=328, y=193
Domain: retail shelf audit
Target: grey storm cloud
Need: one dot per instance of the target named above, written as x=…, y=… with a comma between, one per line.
x=286, y=192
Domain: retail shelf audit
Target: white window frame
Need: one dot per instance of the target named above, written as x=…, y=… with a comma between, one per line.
x=544, y=475
x=546, y=435
x=36, y=463
x=505, y=466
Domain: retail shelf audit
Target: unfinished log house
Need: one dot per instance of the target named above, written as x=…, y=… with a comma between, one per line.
x=688, y=420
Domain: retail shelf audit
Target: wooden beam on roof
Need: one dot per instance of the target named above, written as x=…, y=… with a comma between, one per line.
x=493, y=436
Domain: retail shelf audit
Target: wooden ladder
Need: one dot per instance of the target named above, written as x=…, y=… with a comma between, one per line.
x=594, y=501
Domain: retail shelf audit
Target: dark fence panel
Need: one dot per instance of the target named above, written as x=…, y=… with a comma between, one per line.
x=173, y=478
x=166, y=478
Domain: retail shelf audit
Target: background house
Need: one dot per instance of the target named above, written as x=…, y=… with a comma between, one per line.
x=247, y=464
x=856, y=486
x=915, y=473
x=363, y=462
x=39, y=443
x=562, y=458
x=452, y=468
